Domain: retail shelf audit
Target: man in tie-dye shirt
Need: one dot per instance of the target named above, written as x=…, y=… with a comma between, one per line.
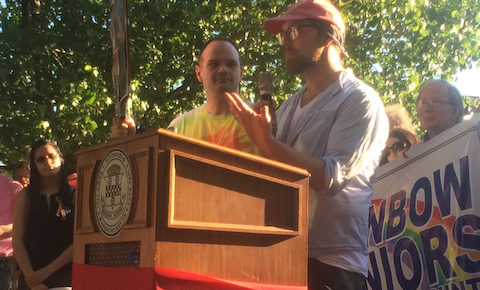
x=219, y=71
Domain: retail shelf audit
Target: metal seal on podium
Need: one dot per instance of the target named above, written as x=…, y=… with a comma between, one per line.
x=113, y=192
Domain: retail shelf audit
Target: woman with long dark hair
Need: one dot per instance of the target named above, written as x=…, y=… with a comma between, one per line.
x=43, y=221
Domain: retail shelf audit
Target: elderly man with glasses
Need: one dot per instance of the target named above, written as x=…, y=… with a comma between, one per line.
x=439, y=107
x=335, y=127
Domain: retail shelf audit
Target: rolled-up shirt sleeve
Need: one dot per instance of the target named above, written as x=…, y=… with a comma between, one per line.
x=356, y=139
x=347, y=128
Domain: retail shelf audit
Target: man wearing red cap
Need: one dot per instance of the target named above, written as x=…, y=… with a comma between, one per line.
x=336, y=128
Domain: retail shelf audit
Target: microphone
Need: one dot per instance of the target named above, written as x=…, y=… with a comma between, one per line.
x=265, y=84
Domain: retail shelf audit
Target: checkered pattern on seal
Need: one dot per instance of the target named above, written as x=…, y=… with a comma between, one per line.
x=112, y=190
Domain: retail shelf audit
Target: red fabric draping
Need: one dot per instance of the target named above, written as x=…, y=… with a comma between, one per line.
x=90, y=277
x=103, y=278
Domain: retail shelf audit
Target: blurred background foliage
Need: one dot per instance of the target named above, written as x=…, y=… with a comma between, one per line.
x=55, y=59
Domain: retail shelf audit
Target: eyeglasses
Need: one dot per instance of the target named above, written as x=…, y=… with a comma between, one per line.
x=395, y=148
x=431, y=104
x=291, y=32
x=43, y=159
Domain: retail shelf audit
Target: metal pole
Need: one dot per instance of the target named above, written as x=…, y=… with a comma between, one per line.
x=120, y=55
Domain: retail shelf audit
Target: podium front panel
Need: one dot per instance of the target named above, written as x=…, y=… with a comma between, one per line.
x=198, y=208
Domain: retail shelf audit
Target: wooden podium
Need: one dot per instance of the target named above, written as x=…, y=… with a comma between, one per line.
x=193, y=206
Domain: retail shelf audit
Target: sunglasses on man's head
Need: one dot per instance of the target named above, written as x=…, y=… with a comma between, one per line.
x=396, y=147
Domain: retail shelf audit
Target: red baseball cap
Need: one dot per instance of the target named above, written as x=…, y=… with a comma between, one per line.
x=321, y=10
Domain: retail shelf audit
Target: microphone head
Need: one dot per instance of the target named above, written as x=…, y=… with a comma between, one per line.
x=265, y=83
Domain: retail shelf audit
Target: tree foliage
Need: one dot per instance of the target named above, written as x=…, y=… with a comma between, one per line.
x=55, y=59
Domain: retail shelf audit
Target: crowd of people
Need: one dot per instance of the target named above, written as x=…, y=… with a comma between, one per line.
x=335, y=126
x=439, y=107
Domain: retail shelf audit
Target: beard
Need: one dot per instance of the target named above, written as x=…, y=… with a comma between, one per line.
x=298, y=63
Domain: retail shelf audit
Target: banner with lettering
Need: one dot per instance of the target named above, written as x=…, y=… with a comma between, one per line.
x=425, y=215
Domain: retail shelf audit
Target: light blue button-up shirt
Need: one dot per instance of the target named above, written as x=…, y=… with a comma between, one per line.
x=347, y=127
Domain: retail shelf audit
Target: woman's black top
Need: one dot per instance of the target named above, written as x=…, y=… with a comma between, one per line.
x=49, y=228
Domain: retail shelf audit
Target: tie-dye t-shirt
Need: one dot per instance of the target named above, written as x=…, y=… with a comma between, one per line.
x=218, y=129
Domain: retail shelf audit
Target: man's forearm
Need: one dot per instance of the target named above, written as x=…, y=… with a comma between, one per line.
x=278, y=151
